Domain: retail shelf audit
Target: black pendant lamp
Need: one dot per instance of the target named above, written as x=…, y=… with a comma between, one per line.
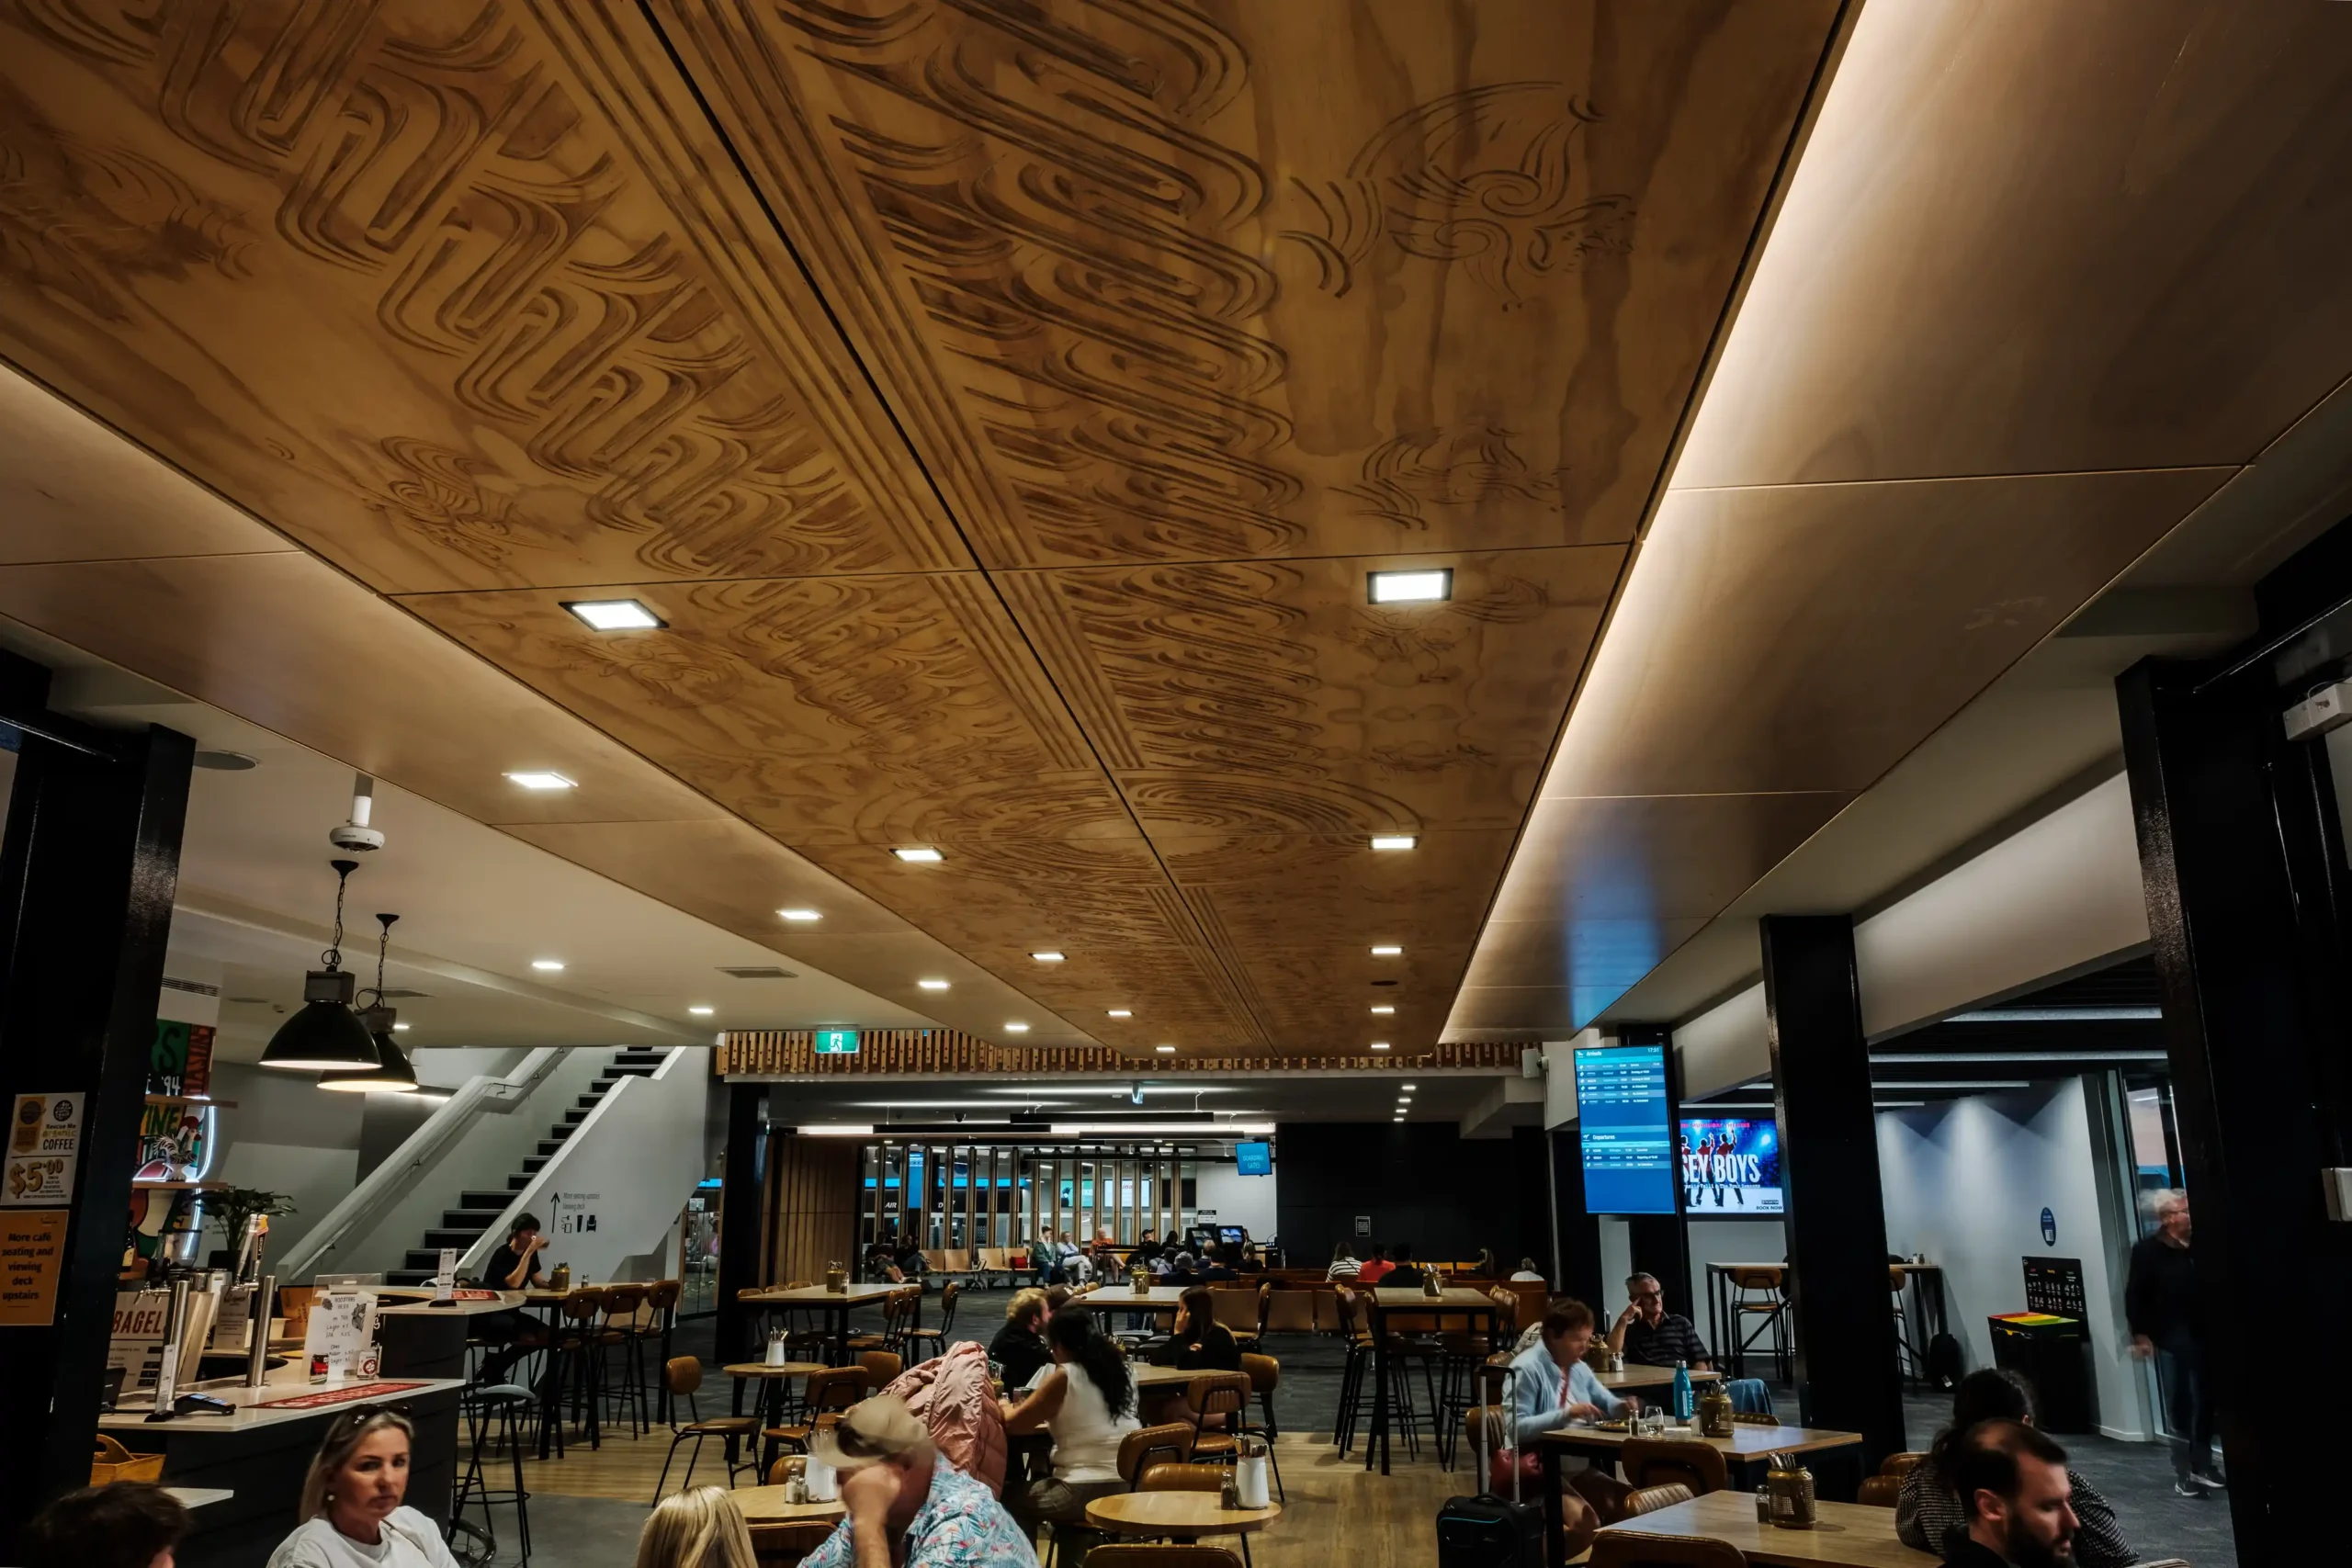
x=326, y=1035
x=391, y=1072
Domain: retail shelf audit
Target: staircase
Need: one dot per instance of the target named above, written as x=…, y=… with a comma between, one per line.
x=476, y=1211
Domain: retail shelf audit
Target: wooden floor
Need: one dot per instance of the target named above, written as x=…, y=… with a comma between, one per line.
x=1335, y=1512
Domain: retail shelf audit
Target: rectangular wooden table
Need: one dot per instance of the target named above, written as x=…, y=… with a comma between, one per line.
x=1638, y=1379
x=1412, y=1300
x=1744, y=1453
x=1161, y=1300
x=833, y=1306
x=1851, y=1535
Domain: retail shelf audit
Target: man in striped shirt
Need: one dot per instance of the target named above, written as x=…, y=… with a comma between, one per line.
x=1647, y=1334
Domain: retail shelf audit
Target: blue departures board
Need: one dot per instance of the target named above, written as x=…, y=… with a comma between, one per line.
x=1624, y=1124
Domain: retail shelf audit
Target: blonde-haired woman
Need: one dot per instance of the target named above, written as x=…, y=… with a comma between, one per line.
x=702, y=1528
x=353, y=1512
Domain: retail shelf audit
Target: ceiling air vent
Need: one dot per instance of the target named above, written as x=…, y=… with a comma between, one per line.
x=757, y=972
x=396, y=995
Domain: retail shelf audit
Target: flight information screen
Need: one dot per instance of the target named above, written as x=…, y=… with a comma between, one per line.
x=1627, y=1133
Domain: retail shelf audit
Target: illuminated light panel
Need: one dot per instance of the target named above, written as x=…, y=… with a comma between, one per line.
x=1384, y=1007
x=1016, y=1028
x=1380, y=1044
x=702, y=1012
x=919, y=854
x=551, y=965
x=1427, y=587
x=534, y=780
x=1165, y=1050
x=933, y=985
x=800, y=916
x=1394, y=841
x=1121, y=1012
x=1388, y=951
x=614, y=615
x=1049, y=956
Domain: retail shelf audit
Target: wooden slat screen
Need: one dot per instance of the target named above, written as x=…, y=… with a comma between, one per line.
x=812, y=1206
x=791, y=1052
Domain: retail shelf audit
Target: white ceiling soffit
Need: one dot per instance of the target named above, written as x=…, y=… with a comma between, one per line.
x=2026, y=284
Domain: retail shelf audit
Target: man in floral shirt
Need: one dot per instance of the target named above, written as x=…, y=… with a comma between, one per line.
x=907, y=1506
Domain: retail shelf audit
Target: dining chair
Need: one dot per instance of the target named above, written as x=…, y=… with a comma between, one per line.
x=1653, y=1462
x=1632, y=1548
x=1170, y=1443
x=1758, y=1301
x=681, y=1375
x=1185, y=1478
x=782, y=1543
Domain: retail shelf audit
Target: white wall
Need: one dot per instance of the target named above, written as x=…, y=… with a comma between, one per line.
x=1965, y=1182
x=1238, y=1200
x=1724, y=1241
x=281, y=1134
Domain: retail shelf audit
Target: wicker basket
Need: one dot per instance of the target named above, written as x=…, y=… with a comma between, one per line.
x=112, y=1462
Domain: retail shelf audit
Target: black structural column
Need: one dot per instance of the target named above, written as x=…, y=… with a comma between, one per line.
x=1847, y=1373
x=740, y=1221
x=2244, y=865
x=88, y=870
x=1659, y=1244
x=1578, y=1232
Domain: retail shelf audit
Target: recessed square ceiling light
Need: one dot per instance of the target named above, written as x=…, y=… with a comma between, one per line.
x=1384, y=1007
x=1409, y=1088
x=933, y=985
x=702, y=1012
x=919, y=854
x=1380, y=1044
x=614, y=615
x=1411, y=587
x=1121, y=1012
x=800, y=916
x=552, y=965
x=1387, y=950
x=530, y=780
x=1394, y=841
x=1165, y=1050
x=1016, y=1028
x=1048, y=957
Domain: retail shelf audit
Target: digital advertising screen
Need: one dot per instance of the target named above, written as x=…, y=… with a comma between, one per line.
x=1253, y=1159
x=1731, y=1166
x=1623, y=1125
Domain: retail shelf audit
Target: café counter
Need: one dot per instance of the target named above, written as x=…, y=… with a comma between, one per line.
x=261, y=1450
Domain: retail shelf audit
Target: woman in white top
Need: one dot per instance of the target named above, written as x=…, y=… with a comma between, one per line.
x=1088, y=1402
x=351, y=1502
x=1527, y=1274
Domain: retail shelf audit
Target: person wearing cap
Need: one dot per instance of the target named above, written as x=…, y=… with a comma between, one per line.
x=905, y=1506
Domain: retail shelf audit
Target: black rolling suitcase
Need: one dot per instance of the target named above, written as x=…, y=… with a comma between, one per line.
x=1485, y=1531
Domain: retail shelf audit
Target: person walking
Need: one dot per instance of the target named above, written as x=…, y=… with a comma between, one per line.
x=2160, y=1305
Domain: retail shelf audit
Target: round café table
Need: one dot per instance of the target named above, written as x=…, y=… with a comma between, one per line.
x=772, y=1380
x=1184, y=1515
x=766, y=1505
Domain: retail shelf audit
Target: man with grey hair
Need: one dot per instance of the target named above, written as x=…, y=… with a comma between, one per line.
x=2160, y=1305
x=1647, y=1334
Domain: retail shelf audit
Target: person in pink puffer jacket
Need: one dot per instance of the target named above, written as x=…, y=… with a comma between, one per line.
x=955, y=1397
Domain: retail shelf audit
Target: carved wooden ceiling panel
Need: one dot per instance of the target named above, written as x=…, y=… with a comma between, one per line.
x=1004, y=403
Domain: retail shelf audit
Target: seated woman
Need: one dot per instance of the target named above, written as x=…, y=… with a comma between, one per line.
x=1928, y=1509
x=1200, y=1344
x=702, y=1528
x=352, y=1512
x=1088, y=1403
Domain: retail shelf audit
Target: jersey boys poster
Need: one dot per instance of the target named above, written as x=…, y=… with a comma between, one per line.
x=1731, y=1166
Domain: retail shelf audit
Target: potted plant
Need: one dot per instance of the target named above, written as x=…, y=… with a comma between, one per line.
x=234, y=1206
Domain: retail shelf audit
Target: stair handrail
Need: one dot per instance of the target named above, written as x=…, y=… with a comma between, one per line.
x=476, y=1257
x=380, y=1187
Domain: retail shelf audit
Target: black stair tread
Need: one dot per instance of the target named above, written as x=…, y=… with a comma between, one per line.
x=516, y=1183
x=425, y=1257
x=410, y=1275
x=573, y=1118
x=477, y=1198
x=438, y=1238
x=474, y=1220
x=532, y=1164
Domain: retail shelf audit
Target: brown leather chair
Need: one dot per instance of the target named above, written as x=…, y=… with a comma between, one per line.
x=1265, y=1375
x=828, y=1392
x=1902, y=1464
x=681, y=1375
x=1184, y=1478
x=925, y=1343
x=1217, y=1393
x=783, y=1543
x=881, y=1367
x=1146, y=1446
x=1630, y=1549
x=1653, y=1462
x=1879, y=1490
x=1650, y=1500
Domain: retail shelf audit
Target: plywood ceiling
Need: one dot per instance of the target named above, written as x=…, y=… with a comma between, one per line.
x=1002, y=403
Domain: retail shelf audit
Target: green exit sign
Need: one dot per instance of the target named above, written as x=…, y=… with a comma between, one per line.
x=837, y=1042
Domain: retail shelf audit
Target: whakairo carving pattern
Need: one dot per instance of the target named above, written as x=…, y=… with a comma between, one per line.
x=1001, y=403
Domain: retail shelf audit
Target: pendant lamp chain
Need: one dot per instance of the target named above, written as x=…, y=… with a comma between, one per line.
x=333, y=956
x=383, y=946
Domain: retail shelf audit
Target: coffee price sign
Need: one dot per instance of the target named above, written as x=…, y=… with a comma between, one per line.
x=44, y=1142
